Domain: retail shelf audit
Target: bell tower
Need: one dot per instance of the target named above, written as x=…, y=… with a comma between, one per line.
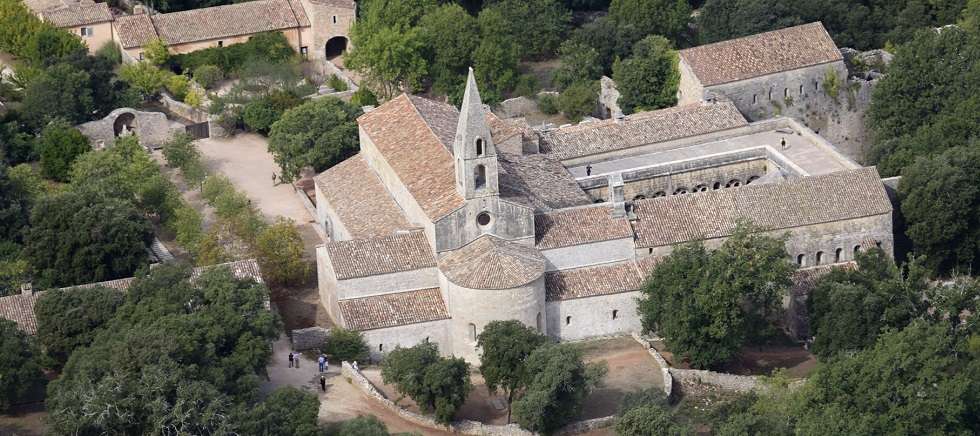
x=473, y=148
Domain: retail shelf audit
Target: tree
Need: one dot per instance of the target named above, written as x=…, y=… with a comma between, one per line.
x=506, y=346
x=50, y=45
x=368, y=425
x=579, y=100
x=579, y=63
x=438, y=385
x=649, y=420
x=609, y=38
x=495, y=59
x=70, y=319
x=61, y=91
x=319, y=134
x=345, y=345
x=649, y=79
x=656, y=17
x=15, y=207
x=180, y=150
x=19, y=371
x=541, y=24
x=156, y=52
x=450, y=36
x=208, y=75
x=261, y=113
x=288, y=411
x=943, y=221
x=849, y=308
x=279, y=250
x=78, y=238
x=708, y=305
x=720, y=20
x=59, y=145
x=16, y=144
x=559, y=382
x=388, y=44
x=179, y=353
x=144, y=77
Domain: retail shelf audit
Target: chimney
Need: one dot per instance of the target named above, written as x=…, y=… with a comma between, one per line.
x=27, y=289
x=616, y=195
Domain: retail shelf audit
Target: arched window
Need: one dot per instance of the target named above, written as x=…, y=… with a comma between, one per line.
x=537, y=321
x=770, y=93
x=639, y=197
x=480, y=177
x=878, y=244
x=479, y=146
x=381, y=347
x=733, y=183
x=801, y=89
x=819, y=257
x=659, y=194
x=651, y=250
x=751, y=179
x=801, y=259
x=816, y=85
x=680, y=191
x=568, y=320
x=755, y=98
x=598, y=200
x=472, y=331
x=426, y=339
x=615, y=313
x=717, y=185
x=857, y=249
x=837, y=255
x=701, y=188
x=785, y=92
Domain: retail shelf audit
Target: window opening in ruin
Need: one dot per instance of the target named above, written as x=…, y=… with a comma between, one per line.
x=221, y=43
x=651, y=250
x=335, y=19
x=801, y=89
x=819, y=257
x=568, y=320
x=800, y=259
x=878, y=244
x=770, y=93
x=479, y=146
x=472, y=332
x=639, y=197
x=598, y=200
x=785, y=92
x=837, y=254
x=483, y=218
x=615, y=313
x=480, y=177
x=537, y=321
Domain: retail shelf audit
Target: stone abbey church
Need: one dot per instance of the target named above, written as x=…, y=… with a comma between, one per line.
x=449, y=219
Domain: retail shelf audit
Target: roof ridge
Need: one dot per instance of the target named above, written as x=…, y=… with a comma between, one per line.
x=426, y=122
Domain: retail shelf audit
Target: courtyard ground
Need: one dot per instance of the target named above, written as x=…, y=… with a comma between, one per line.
x=630, y=366
x=24, y=420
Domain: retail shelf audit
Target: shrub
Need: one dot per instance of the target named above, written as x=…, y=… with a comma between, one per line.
x=180, y=150
x=208, y=75
x=579, y=100
x=194, y=98
x=831, y=83
x=261, y=113
x=178, y=85
x=345, y=345
x=110, y=51
x=363, y=97
x=527, y=85
x=155, y=51
x=548, y=104
x=59, y=145
x=269, y=47
x=337, y=83
x=144, y=77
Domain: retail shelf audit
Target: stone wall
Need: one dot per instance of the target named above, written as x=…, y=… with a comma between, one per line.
x=517, y=107
x=731, y=382
x=589, y=254
x=308, y=338
x=382, y=341
x=182, y=109
x=472, y=309
x=583, y=318
x=703, y=175
x=664, y=367
x=609, y=99
x=152, y=128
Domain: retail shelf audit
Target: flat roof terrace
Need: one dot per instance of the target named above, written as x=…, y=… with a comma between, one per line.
x=804, y=154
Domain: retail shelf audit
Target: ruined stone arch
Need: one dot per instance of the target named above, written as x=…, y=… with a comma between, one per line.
x=801, y=260
x=733, y=183
x=125, y=120
x=751, y=179
x=335, y=47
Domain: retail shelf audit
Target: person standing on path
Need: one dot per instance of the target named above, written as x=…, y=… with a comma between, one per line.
x=290, y=359
x=323, y=384
x=321, y=360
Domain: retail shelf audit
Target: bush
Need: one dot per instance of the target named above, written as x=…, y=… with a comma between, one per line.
x=110, y=51
x=260, y=114
x=337, y=83
x=271, y=47
x=180, y=150
x=194, y=98
x=548, y=104
x=208, y=75
x=363, y=97
x=144, y=77
x=19, y=370
x=527, y=85
x=178, y=85
x=345, y=345
x=579, y=100
x=368, y=425
x=318, y=133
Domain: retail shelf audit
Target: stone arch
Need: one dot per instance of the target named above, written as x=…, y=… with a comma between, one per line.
x=837, y=255
x=568, y=320
x=819, y=257
x=857, y=249
x=717, y=185
x=125, y=120
x=801, y=260
x=680, y=191
x=751, y=179
x=479, y=146
x=733, y=183
x=615, y=314
x=659, y=194
x=335, y=47
x=639, y=197
x=701, y=188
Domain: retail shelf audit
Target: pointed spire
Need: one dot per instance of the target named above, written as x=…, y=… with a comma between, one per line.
x=472, y=123
x=471, y=96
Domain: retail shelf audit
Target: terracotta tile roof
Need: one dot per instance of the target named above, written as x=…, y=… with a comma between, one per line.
x=593, y=281
x=365, y=206
x=440, y=117
x=641, y=129
x=301, y=18
x=585, y=225
x=804, y=279
x=385, y=255
x=20, y=308
x=347, y=4
x=225, y=21
x=72, y=14
x=538, y=181
x=392, y=310
x=416, y=152
x=765, y=53
x=134, y=30
x=806, y=201
x=492, y=263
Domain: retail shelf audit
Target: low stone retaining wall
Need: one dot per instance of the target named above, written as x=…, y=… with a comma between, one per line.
x=308, y=338
x=665, y=369
x=732, y=382
x=182, y=109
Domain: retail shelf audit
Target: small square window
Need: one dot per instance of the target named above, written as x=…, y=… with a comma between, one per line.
x=335, y=19
x=221, y=43
x=87, y=31
x=304, y=50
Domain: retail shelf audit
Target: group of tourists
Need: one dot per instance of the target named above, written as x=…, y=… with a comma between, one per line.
x=324, y=366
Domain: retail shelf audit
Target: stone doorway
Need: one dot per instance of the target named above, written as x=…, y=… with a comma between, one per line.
x=335, y=47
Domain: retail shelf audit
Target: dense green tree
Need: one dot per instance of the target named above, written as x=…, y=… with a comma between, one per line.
x=318, y=134
x=505, y=347
x=719, y=20
x=261, y=113
x=579, y=100
x=279, y=251
x=537, y=27
x=61, y=91
x=610, y=39
x=70, y=319
x=19, y=25
x=849, y=308
x=708, y=305
x=648, y=80
x=50, y=44
x=15, y=207
x=344, y=345
x=16, y=144
x=495, y=60
x=650, y=420
x=19, y=370
x=108, y=91
x=438, y=385
x=180, y=150
x=59, y=146
x=179, y=353
x=388, y=46
x=78, y=238
x=144, y=77
x=579, y=63
x=208, y=75
x=653, y=17
x=940, y=200
x=559, y=382
x=368, y=425
x=288, y=411
x=912, y=117
x=450, y=36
